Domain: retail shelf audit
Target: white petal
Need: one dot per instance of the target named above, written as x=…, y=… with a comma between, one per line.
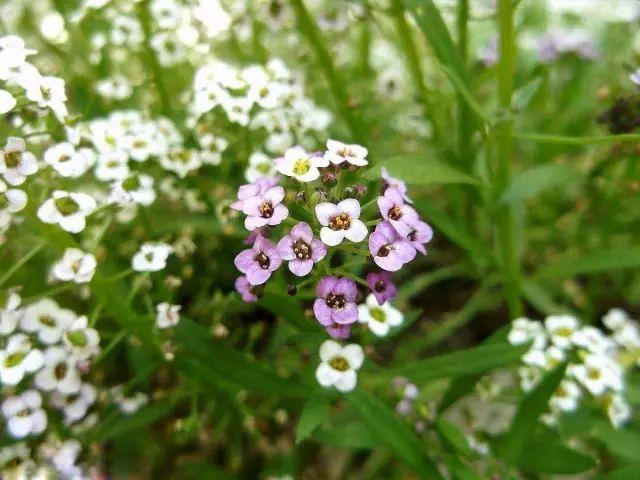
x=325, y=211
x=357, y=232
x=7, y=102
x=347, y=381
x=326, y=375
x=329, y=349
x=19, y=427
x=354, y=355
x=331, y=237
x=351, y=207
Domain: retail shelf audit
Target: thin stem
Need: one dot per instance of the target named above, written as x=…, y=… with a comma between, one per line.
x=464, y=115
x=20, y=263
x=504, y=133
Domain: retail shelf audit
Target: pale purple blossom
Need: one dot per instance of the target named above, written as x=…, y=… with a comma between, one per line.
x=337, y=331
x=340, y=221
x=301, y=250
x=394, y=209
x=246, y=290
x=259, y=261
x=389, y=249
x=249, y=190
x=265, y=209
x=419, y=234
x=393, y=182
x=336, y=301
x=381, y=286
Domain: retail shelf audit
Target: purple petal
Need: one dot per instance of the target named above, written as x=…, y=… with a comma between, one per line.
x=300, y=268
x=318, y=250
x=302, y=231
x=339, y=332
x=376, y=241
x=346, y=287
x=346, y=315
x=257, y=275
x=390, y=263
x=285, y=248
x=404, y=250
x=325, y=212
x=384, y=204
x=275, y=195
x=325, y=286
x=252, y=206
x=251, y=223
x=280, y=212
x=322, y=312
x=244, y=260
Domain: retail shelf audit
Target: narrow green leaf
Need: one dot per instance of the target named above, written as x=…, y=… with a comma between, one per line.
x=121, y=425
x=628, y=472
x=393, y=433
x=545, y=457
x=579, y=141
x=481, y=359
x=463, y=89
x=602, y=261
x=541, y=299
x=522, y=96
x=290, y=310
x=420, y=170
x=314, y=413
x=624, y=443
x=453, y=436
x=346, y=434
x=512, y=445
x=461, y=471
x=538, y=179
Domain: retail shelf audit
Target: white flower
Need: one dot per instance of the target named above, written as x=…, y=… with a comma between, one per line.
x=142, y=144
x=24, y=414
x=7, y=102
x=561, y=328
x=181, y=161
x=47, y=92
x=17, y=359
x=598, y=374
x=69, y=209
x=10, y=313
x=593, y=340
x=340, y=221
x=566, y=397
x=151, y=257
x=66, y=160
x=59, y=373
x=75, y=406
x=625, y=332
x=212, y=148
x=16, y=163
x=618, y=410
x=130, y=404
x=529, y=377
x=76, y=266
x=112, y=165
x=14, y=454
x=82, y=341
x=166, y=13
x=11, y=201
x=116, y=87
x=379, y=318
x=297, y=163
x=524, y=330
x=167, y=315
x=137, y=188
x=47, y=319
x=126, y=30
x=338, y=152
x=65, y=457
x=338, y=365
x=615, y=319
x=168, y=49
x=260, y=165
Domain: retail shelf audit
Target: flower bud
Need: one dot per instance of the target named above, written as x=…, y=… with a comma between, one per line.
x=292, y=290
x=329, y=178
x=318, y=196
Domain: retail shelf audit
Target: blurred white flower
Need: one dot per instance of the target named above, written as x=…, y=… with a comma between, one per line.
x=129, y=404
x=47, y=320
x=68, y=209
x=618, y=410
x=181, y=161
x=566, y=397
x=151, y=257
x=10, y=312
x=137, y=188
x=116, y=87
x=338, y=153
x=76, y=266
x=7, y=102
x=66, y=160
x=168, y=49
x=597, y=374
x=12, y=201
x=126, y=31
x=16, y=164
x=167, y=315
x=75, y=406
x=592, y=339
x=260, y=165
x=524, y=330
x=17, y=359
x=24, y=414
x=561, y=328
x=379, y=318
x=339, y=365
x=82, y=341
x=112, y=165
x=212, y=148
x=59, y=373
x=166, y=13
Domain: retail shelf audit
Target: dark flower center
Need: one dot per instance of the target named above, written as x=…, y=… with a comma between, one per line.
x=378, y=314
x=64, y=158
x=339, y=363
x=47, y=320
x=384, y=250
x=395, y=213
x=266, y=210
x=380, y=286
x=336, y=301
x=262, y=260
x=12, y=159
x=67, y=206
x=60, y=370
x=413, y=235
x=341, y=222
x=302, y=250
x=14, y=359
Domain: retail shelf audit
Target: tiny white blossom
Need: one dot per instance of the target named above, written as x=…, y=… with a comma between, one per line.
x=10, y=312
x=168, y=49
x=181, y=161
x=593, y=340
x=16, y=163
x=260, y=165
x=112, y=165
x=340, y=221
x=18, y=359
x=82, y=341
x=76, y=266
x=24, y=414
x=137, y=188
x=129, y=404
x=75, y=406
x=299, y=164
x=167, y=315
x=561, y=328
x=60, y=372
x=151, y=257
x=598, y=374
x=68, y=209
x=338, y=153
x=47, y=319
x=116, y=87
x=379, y=318
x=166, y=13
x=66, y=160
x=566, y=397
x=339, y=365
x=618, y=410
x=524, y=330
x=12, y=200
x=7, y=102
x=635, y=77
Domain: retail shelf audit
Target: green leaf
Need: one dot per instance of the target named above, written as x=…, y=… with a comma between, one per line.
x=512, y=444
x=541, y=299
x=624, y=443
x=460, y=471
x=392, y=432
x=314, y=413
x=420, y=170
x=290, y=310
x=522, y=96
x=120, y=425
x=531, y=182
x=481, y=359
x=602, y=261
x=629, y=472
x=453, y=436
x=545, y=457
x=346, y=434
x=579, y=141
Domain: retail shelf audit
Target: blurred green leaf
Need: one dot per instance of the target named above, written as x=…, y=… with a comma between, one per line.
x=346, y=434
x=602, y=261
x=546, y=457
x=629, y=472
x=289, y=309
x=453, y=436
x=579, y=141
x=314, y=413
x=460, y=471
x=393, y=433
x=511, y=445
x=538, y=179
x=120, y=425
x=420, y=170
x=522, y=96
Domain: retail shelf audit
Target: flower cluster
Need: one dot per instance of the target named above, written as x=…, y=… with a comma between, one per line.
x=596, y=362
x=332, y=228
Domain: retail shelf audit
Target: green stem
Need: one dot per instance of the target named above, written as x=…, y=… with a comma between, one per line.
x=504, y=133
x=20, y=263
x=464, y=115
x=308, y=29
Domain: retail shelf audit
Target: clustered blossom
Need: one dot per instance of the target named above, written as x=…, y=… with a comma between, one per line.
x=595, y=370
x=333, y=224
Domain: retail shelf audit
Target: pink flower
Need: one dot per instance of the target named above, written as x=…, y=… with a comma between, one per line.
x=301, y=249
x=265, y=209
x=392, y=182
x=337, y=331
x=245, y=289
x=381, y=286
x=419, y=234
x=249, y=190
x=394, y=209
x=336, y=301
x=259, y=261
x=389, y=249
x=340, y=221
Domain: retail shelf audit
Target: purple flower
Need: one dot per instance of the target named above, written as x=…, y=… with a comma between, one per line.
x=336, y=301
x=301, y=249
x=381, y=286
x=249, y=190
x=419, y=234
x=259, y=261
x=340, y=221
x=392, y=182
x=245, y=289
x=339, y=332
x=389, y=249
x=265, y=209
x=393, y=209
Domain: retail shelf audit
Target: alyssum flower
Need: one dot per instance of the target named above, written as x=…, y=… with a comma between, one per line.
x=301, y=250
x=18, y=359
x=12, y=201
x=299, y=164
x=265, y=208
x=381, y=286
x=76, y=266
x=16, y=164
x=68, y=209
x=338, y=365
x=259, y=261
x=152, y=257
x=389, y=249
x=338, y=153
x=379, y=318
x=340, y=221
x=24, y=414
x=336, y=301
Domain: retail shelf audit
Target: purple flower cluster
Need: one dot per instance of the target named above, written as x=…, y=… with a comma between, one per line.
x=398, y=235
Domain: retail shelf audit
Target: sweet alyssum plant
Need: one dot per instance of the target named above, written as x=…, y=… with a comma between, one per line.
x=324, y=230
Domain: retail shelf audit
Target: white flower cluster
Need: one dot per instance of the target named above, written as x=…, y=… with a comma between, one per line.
x=596, y=361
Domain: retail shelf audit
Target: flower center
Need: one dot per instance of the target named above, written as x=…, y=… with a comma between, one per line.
x=336, y=301
x=594, y=373
x=75, y=265
x=263, y=260
x=301, y=166
x=131, y=184
x=77, y=338
x=60, y=370
x=263, y=167
x=266, y=210
x=380, y=286
x=47, y=320
x=139, y=143
x=4, y=201
x=67, y=206
x=12, y=159
x=564, y=331
x=14, y=359
x=378, y=314
x=413, y=235
x=64, y=158
x=302, y=250
x=341, y=222
x=384, y=250
x=395, y=213
x=561, y=392
x=339, y=363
